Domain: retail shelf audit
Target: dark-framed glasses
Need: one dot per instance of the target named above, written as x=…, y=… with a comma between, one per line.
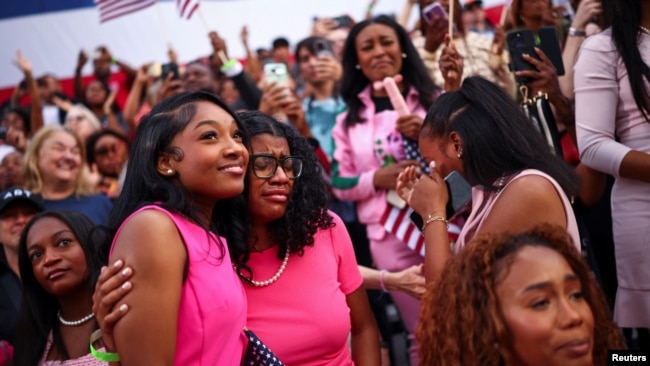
x=264, y=166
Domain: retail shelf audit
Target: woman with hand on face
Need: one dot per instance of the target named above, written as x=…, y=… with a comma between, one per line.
x=188, y=154
x=55, y=167
x=482, y=134
x=540, y=305
x=59, y=264
x=371, y=139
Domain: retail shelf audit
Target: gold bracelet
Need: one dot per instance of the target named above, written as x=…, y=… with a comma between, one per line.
x=431, y=219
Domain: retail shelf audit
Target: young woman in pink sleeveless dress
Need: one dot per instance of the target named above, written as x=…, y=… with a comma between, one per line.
x=187, y=306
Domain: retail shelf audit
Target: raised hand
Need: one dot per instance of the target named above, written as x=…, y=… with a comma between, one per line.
x=409, y=126
x=81, y=60
x=499, y=40
x=451, y=65
x=243, y=35
x=587, y=10
x=23, y=63
x=435, y=33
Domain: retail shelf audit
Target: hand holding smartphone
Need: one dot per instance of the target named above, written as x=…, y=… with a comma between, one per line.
x=276, y=72
x=521, y=42
x=432, y=11
x=460, y=194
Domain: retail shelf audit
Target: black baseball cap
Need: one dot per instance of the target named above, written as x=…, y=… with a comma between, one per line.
x=17, y=194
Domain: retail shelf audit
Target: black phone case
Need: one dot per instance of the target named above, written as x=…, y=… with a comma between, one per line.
x=170, y=67
x=551, y=47
x=460, y=193
x=521, y=42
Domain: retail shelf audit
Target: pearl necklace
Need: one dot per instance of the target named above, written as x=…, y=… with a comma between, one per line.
x=644, y=29
x=275, y=276
x=74, y=323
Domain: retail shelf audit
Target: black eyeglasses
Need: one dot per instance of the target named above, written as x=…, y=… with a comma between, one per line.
x=264, y=166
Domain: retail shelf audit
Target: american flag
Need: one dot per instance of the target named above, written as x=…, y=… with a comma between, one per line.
x=397, y=222
x=111, y=9
x=186, y=8
x=257, y=354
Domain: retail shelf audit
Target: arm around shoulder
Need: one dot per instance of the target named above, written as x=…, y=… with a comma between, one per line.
x=153, y=247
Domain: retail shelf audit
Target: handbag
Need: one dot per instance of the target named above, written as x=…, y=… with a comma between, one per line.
x=539, y=111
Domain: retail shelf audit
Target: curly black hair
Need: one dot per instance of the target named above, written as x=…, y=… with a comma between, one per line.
x=306, y=210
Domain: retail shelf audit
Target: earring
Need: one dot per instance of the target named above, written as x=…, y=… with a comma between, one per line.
x=460, y=153
x=358, y=67
x=403, y=55
x=170, y=172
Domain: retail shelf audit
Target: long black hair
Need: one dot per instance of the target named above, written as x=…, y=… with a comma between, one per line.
x=143, y=183
x=306, y=209
x=354, y=81
x=625, y=19
x=497, y=136
x=39, y=308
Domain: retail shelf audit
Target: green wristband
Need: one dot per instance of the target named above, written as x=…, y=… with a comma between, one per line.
x=228, y=65
x=113, y=60
x=102, y=356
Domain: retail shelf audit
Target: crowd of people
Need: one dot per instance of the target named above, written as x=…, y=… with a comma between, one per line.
x=222, y=210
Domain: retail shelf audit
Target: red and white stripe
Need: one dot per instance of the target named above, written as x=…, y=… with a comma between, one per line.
x=111, y=9
x=186, y=8
x=397, y=222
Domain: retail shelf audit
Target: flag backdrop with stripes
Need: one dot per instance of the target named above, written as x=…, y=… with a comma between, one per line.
x=186, y=8
x=111, y=9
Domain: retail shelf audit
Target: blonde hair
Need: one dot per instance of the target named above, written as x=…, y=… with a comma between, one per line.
x=90, y=116
x=32, y=176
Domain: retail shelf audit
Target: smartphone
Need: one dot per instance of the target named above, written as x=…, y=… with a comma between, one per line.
x=170, y=67
x=521, y=42
x=551, y=47
x=460, y=193
x=3, y=132
x=277, y=72
x=343, y=21
x=154, y=70
x=433, y=10
x=323, y=48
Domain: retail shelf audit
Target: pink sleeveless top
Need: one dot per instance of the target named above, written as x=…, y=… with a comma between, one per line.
x=213, y=305
x=477, y=218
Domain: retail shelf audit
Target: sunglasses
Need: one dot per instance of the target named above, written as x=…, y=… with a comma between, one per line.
x=106, y=149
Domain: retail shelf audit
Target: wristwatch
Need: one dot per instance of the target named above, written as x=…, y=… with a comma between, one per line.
x=577, y=32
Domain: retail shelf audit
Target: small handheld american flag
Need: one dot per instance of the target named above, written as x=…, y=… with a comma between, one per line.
x=257, y=353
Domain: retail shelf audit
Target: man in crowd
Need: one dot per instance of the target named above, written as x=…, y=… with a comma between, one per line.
x=17, y=207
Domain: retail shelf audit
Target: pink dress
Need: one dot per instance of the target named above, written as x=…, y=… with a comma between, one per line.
x=605, y=108
x=477, y=218
x=87, y=360
x=303, y=316
x=212, y=311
